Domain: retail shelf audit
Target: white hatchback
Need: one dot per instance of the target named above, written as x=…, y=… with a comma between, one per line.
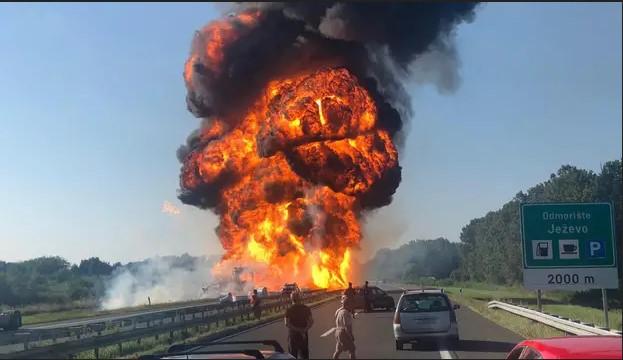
x=423, y=315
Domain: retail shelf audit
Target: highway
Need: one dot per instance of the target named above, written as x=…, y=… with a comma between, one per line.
x=480, y=338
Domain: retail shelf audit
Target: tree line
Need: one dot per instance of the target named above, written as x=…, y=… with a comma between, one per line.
x=489, y=247
x=53, y=280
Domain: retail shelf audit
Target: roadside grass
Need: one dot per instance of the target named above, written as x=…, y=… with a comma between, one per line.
x=586, y=314
x=150, y=345
x=522, y=326
x=44, y=314
x=554, y=302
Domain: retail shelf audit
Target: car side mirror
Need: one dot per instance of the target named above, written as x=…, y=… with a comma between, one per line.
x=456, y=306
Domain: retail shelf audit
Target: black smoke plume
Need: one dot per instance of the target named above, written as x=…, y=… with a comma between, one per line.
x=376, y=41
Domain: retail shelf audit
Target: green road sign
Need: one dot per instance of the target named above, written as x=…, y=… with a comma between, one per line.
x=568, y=246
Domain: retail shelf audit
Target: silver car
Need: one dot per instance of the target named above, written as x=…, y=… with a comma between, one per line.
x=423, y=315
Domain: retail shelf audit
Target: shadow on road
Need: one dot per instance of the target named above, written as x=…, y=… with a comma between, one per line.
x=485, y=346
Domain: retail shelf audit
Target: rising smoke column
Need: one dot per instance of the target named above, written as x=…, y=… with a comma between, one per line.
x=301, y=104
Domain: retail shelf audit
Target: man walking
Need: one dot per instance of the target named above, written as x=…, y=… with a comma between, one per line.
x=298, y=320
x=344, y=337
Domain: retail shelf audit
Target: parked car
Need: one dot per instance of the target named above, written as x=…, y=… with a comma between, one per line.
x=570, y=347
x=289, y=288
x=423, y=315
x=224, y=350
x=10, y=320
x=378, y=299
x=228, y=299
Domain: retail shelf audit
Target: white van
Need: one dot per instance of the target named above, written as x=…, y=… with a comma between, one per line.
x=425, y=315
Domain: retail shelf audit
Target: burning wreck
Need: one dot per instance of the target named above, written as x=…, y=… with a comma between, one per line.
x=302, y=108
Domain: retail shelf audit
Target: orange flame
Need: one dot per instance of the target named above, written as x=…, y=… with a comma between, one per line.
x=293, y=168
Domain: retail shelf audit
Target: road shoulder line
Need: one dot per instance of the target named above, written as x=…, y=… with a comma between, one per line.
x=445, y=354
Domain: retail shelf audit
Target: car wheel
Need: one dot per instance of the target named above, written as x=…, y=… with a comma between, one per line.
x=399, y=345
x=453, y=342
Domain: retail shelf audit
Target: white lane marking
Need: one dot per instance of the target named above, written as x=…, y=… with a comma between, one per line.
x=445, y=354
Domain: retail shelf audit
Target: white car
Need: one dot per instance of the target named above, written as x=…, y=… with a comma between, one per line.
x=423, y=315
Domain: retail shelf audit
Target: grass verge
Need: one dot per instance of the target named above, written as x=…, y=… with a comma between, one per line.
x=81, y=313
x=517, y=324
x=553, y=303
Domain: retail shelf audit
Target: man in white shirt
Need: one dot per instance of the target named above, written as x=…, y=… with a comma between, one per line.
x=345, y=339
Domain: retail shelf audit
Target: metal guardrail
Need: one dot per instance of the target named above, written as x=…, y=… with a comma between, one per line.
x=569, y=326
x=67, y=340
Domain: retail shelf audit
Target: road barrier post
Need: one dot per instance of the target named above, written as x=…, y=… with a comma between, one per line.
x=604, y=299
x=538, y=300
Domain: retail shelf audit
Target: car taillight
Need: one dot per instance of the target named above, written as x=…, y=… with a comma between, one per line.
x=397, y=317
x=452, y=316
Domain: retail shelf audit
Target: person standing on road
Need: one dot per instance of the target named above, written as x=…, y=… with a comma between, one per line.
x=366, y=297
x=255, y=305
x=349, y=292
x=344, y=337
x=298, y=320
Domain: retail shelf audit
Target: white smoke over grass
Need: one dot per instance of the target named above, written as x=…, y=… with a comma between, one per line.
x=162, y=279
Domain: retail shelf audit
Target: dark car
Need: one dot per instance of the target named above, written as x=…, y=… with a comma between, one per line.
x=289, y=288
x=223, y=350
x=377, y=297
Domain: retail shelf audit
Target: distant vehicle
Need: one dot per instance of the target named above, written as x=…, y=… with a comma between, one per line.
x=227, y=299
x=289, y=288
x=262, y=292
x=10, y=320
x=425, y=315
x=571, y=347
x=224, y=350
x=378, y=299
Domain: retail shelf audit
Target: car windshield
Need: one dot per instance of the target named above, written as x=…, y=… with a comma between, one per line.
x=395, y=179
x=424, y=303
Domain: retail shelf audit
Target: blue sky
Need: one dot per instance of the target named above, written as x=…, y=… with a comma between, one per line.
x=92, y=110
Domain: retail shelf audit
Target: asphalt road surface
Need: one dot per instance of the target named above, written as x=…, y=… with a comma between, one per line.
x=480, y=338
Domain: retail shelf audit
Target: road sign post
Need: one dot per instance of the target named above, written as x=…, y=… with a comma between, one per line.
x=568, y=246
x=604, y=299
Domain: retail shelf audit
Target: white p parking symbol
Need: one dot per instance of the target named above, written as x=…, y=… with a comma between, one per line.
x=596, y=249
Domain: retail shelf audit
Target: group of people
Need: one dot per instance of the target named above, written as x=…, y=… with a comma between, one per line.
x=298, y=320
x=350, y=292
